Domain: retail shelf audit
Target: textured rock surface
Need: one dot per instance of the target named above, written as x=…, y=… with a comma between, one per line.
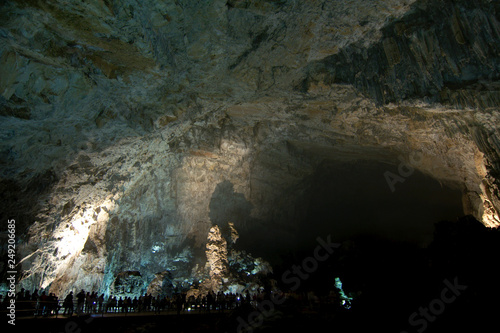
x=130, y=129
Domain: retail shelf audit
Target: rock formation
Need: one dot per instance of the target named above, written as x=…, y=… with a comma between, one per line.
x=133, y=129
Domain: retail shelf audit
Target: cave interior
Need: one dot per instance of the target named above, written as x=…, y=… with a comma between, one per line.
x=342, y=152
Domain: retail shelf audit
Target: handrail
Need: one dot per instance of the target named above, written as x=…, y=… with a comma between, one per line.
x=53, y=307
x=38, y=307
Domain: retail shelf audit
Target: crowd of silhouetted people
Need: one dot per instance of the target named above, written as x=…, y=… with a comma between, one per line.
x=35, y=303
x=42, y=304
x=91, y=302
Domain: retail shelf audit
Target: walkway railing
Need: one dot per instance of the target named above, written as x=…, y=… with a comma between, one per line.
x=56, y=308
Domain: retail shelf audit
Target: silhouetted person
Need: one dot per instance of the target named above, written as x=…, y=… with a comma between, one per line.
x=100, y=301
x=147, y=300
x=20, y=295
x=135, y=303
x=125, y=304
x=34, y=300
x=154, y=304
x=93, y=302
x=111, y=305
x=179, y=302
x=27, y=302
x=68, y=304
x=87, y=302
x=53, y=304
x=210, y=300
x=128, y=303
x=43, y=303
x=80, y=297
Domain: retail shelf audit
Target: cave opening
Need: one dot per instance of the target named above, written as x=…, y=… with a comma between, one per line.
x=382, y=235
x=352, y=199
x=349, y=200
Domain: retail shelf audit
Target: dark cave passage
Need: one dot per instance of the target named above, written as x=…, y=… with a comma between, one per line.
x=350, y=199
x=347, y=200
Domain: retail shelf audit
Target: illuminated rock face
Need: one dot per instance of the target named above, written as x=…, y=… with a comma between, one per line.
x=130, y=132
x=216, y=256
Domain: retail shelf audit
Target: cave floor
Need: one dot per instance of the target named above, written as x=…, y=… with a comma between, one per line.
x=284, y=320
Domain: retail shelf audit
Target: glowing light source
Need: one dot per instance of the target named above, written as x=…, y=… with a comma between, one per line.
x=345, y=300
